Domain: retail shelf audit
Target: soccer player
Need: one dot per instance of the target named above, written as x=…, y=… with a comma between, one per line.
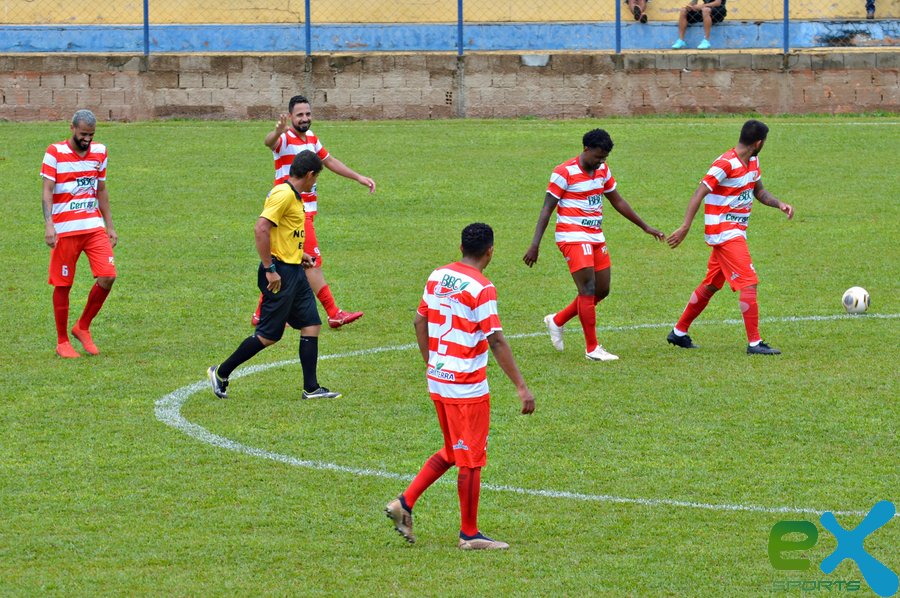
x=287, y=297
x=290, y=136
x=727, y=192
x=77, y=219
x=455, y=324
x=576, y=191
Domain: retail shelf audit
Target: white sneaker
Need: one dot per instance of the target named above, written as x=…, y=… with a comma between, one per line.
x=600, y=354
x=555, y=331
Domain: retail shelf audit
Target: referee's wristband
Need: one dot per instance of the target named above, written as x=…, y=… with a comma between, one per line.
x=270, y=268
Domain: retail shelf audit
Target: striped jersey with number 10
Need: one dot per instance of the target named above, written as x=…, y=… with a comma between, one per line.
x=460, y=305
x=290, y=144
x=579, y=213
x=729, y=201
x=75, y=206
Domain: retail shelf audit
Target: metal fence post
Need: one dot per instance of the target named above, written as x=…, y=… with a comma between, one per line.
x=787, y=20
x=459, y=28
x=146, y=27
x=308, y=28
x=619, y=26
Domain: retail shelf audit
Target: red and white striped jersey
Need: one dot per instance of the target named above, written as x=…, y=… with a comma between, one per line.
x=461, y=307
x=290, y=144
x=729, y=201
x=579, y=213
x=75, y=206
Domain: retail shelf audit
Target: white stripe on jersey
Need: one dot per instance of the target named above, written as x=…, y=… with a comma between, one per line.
x=457, y=337
x=71, y=187
x=580, y=237
x=458, y=391
x=727, y=235
x=577, y=220
x=455, y=364
x=76, y=225
x=79, y=166
x=66, y=206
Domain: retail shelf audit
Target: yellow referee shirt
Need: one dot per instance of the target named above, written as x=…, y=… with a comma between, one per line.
x=284, y=209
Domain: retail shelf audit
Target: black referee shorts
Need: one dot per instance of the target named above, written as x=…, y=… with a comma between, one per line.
x=294, y=304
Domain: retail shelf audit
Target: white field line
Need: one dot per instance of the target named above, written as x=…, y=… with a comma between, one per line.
x=168, y=411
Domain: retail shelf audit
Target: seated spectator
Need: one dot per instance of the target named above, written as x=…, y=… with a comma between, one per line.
x=638, y=9
x=870, y=9
x=711, y=11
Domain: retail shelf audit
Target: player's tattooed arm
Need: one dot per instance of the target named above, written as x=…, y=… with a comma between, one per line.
x=762, y=194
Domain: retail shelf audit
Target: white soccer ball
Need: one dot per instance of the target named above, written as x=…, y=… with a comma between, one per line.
x=856, y=300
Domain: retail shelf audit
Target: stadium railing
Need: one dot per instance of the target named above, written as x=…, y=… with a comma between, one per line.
x=460, y=26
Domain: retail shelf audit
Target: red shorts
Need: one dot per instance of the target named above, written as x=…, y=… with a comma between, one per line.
x=310, y=243
x=65, y=255
x=731, y=261
x=465, y=427
x=585, y=255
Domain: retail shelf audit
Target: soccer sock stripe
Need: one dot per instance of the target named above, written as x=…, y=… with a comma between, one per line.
x=697, y=303
x=61, y=313
x=750, y=312
x=327, y=300
x=431, y=471
x=95, y=301
x=587, y=315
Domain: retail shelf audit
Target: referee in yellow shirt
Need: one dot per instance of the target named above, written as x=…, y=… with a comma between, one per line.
x=287, y=296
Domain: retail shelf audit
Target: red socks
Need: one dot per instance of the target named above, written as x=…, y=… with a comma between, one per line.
x=94, y=302
x=327, y=300
x=566, y=314
x=750, y=311
x=587, y=314
x=699, y=299
x=433, y=469
x=61, y=313
x=468, y=486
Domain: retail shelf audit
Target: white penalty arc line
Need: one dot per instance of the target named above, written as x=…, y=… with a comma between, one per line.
x=168, y=410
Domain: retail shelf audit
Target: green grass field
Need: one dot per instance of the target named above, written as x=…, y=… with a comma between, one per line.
x=98, y=496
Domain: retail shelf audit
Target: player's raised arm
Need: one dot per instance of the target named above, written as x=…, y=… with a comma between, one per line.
x=506, y=361
x=531, y=254
x=281, y=125
x=681, y=232
x=625, y=209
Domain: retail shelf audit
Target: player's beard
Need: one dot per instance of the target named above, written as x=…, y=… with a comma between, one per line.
x=83, y=144
x=303, y=127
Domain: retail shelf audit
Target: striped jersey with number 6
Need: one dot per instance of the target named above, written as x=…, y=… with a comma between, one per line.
x=460, y=305
x=579, y=213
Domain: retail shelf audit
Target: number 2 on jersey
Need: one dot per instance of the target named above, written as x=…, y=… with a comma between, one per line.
x=445, y=327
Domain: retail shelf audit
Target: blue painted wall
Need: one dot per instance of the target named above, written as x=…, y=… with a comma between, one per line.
x=436, y=38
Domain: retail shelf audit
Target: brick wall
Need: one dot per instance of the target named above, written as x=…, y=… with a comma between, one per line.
x=384, y=86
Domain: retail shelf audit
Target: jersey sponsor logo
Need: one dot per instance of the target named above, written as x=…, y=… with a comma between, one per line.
x=450, y=285
x=594, y=222
x=735, y=276
x=743, y=200
x=437, y=372
x=460, y=445
x=737, y=218
x=88, y=205
x=595, y=200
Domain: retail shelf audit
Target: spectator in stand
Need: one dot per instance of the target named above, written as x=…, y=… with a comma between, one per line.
x=870, y=9
x=711, y=11
x=638, y=8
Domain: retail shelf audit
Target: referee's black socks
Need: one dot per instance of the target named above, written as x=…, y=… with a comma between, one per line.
x=247, y=349
x=309, y=356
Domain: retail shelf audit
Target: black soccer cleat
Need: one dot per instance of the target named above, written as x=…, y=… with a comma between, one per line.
x=219, y=386
x=321, y=393
x=684, y=342
x=762, y=349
